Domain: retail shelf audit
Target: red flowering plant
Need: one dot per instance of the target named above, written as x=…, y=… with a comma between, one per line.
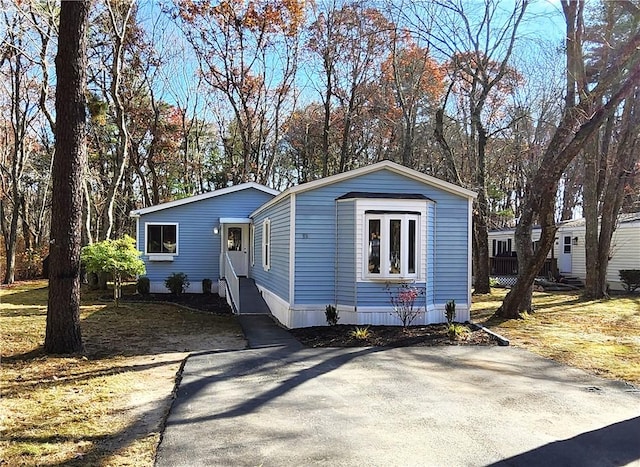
x=403, y=301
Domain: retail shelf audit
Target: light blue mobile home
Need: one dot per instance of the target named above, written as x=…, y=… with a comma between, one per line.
x=345, y=240
x=191, y=235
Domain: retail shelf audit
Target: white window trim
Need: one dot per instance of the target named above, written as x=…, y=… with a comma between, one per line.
x=266, y=244
x=146, y=239
x=252, y=244
x=362, y=243
x=385, y=219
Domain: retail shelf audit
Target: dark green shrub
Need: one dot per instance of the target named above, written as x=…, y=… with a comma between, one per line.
x=177, y=283
x=630, y=279
x=143, y=286
x=206, y=286
x=450, y=311
x=331, y=313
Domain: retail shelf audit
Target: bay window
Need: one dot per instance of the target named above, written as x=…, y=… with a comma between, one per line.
x=392, y=244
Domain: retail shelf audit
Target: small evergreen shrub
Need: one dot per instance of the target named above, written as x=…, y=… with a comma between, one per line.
x=450, y=311
x=206, y=286
x=177, y=283
x=332, y=315
x=630, y=279
x=143, y=286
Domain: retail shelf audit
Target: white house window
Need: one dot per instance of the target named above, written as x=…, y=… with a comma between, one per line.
x=162, y=238
x=252, y=240
x=392, y=246
x=502, y=247
x=266, y=244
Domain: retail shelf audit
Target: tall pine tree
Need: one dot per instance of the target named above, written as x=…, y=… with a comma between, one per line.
x=63, y=311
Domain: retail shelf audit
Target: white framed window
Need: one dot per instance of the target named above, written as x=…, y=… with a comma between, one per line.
x=392, y=249
x=161, y=238
x=252, y=244
x=266, y=244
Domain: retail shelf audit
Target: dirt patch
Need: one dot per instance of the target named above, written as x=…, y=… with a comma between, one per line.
x=390, y=336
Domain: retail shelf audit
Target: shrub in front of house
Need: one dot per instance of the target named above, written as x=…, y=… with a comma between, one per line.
x=331, y=314
x=206, y=286
x=177, y=283
x=143, y=285
x=630, y=279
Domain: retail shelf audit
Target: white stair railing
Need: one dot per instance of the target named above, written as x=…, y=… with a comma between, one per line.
x=233, y=285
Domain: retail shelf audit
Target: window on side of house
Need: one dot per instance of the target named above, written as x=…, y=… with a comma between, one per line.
x=502, y=247
x=392, y=249
x=252, y=244
x=266, y=244
x=161, y=239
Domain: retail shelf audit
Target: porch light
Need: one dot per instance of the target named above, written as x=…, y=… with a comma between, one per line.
x=575, y=240
x=216, y=230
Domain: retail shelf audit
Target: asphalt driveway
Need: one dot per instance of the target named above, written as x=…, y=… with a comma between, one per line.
x=442, y=406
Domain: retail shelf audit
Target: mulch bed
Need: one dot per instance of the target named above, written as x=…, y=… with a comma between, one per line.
x=340, y=335
x=211, y=303
x=388, y=336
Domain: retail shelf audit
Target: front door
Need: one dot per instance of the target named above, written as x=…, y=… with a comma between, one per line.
x=236, y=245
x=565, y=254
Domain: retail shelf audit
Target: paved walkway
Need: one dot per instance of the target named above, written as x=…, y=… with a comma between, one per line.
x=262, y=331
x=280, y=404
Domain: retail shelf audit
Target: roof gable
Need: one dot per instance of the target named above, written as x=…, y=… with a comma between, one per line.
x=203, y=196
x=383, y=165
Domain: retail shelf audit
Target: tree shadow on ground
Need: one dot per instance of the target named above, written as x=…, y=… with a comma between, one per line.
x=617, y=444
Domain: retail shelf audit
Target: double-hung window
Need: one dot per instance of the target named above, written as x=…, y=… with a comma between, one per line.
x=266, y=244
x=392, y=249
x=162, y=239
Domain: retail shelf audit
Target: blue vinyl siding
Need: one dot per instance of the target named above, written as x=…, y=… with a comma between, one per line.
x=276, y=279
x=315, y=252
x=198, y=247
x=346, y=250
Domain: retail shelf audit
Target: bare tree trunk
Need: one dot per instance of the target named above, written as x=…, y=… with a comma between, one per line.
x=122, y=151
x=63, y=309
x=620, y=173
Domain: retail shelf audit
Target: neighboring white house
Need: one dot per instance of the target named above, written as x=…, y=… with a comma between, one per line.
x=624, y=252
x=569, y=247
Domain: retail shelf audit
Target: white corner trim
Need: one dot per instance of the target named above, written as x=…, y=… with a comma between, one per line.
x=469, y=250
x=292, y=249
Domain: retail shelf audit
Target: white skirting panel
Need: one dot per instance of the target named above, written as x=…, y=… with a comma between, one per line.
x=279, y=308
x=303, y=316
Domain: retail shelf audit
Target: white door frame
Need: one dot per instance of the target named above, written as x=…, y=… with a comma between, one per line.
x=565, y=252
x=240, y=256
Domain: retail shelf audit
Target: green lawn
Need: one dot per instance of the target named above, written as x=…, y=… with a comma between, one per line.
x=105, y=406
x=600, y=336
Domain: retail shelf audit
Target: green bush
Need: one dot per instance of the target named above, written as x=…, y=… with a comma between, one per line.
x=206, y=286
x=630, y=279
x=332, y=315
x=177, y=283
x=143, y=286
